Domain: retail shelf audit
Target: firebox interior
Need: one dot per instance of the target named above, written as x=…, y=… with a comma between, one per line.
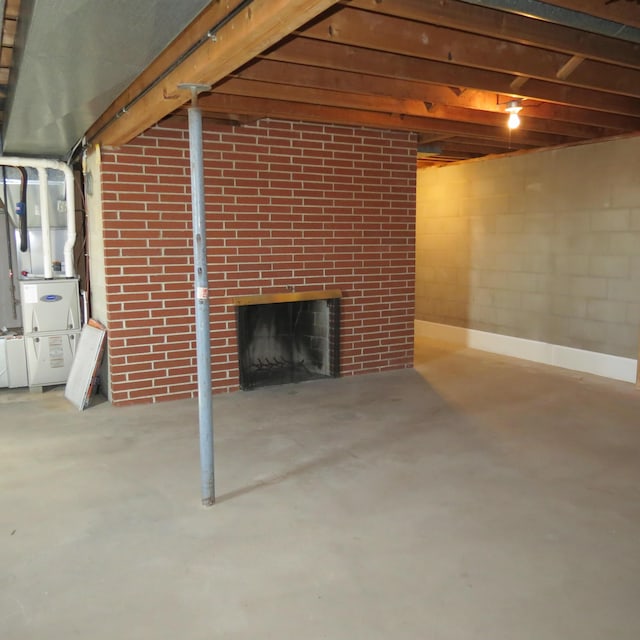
x=287, y=341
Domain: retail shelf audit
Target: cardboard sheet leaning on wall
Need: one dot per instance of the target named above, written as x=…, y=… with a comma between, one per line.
x=84, y=369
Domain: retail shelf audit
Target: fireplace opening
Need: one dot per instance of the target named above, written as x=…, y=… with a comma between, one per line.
x=290, y=341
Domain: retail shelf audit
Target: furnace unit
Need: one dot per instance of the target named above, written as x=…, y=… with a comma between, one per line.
x=40, y=318
x=51, y=321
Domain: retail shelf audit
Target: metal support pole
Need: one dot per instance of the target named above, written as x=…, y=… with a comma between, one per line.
x=203, y=346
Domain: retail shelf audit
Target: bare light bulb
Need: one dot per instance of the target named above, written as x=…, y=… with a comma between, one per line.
x=514, y=121
x=513, y=108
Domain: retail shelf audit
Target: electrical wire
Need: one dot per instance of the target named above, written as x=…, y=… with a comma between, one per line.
x=12, y=284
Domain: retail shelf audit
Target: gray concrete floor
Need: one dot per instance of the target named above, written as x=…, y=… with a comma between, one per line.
x=474, y=497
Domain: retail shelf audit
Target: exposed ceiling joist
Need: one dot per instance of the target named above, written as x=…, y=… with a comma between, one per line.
x=430, y=42
x=444, y=69
x=440, y=101
x=325, y=53
x=569, y=67
x=188, y=39
x=255, y=28
x=509, y=26
x=312, y=111
x=482, y=149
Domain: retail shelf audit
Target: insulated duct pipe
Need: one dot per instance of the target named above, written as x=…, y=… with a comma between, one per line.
x=21, y=209
x=45, y=223
x=42, y=165
x=12, y=284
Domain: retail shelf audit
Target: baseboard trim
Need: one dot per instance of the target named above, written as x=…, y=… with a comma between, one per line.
x=600, y=364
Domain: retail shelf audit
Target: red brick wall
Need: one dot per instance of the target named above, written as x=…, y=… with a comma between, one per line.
x=288, y=205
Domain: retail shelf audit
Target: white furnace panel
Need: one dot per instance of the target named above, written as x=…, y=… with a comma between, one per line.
x=49, y=357
x=50, y=305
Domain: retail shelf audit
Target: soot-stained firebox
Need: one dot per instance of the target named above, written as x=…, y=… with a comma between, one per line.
x=284, y=338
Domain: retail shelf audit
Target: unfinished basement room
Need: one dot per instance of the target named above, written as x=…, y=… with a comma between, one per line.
x=320, y=319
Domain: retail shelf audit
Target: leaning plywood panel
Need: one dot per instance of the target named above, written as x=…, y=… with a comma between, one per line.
x=85, y=364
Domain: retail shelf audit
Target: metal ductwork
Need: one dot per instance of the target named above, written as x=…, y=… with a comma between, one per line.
x=565, y=17
x=74, y=58
x=42, y=165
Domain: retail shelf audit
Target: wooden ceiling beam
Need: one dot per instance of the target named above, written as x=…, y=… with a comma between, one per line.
x=451, y=156
x=606, y=77
x=510, y=26
x=244, y=36
x=518, y=82
x=436, y=161
x=587, y=98
x=12, y=9
x=569, y=67
x=471, y=144
x=9, y=30
x=427, y=138
x=475, y=148
x=444, y=158
x=498, y=118
x=319, y=96
x=612, y=123
x=211, y=15
x=6, y=56
x=469, y=103
x=619, y=112
x=408, y=37
x=364, y=80
x=312, y=111
x=451, y=146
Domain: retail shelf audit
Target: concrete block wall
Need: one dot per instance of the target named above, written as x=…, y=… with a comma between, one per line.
x=543, y=245
x=289, y=206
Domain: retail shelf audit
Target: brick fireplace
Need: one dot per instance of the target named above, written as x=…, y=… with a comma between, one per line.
x=288, y=337
x=290, y=207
